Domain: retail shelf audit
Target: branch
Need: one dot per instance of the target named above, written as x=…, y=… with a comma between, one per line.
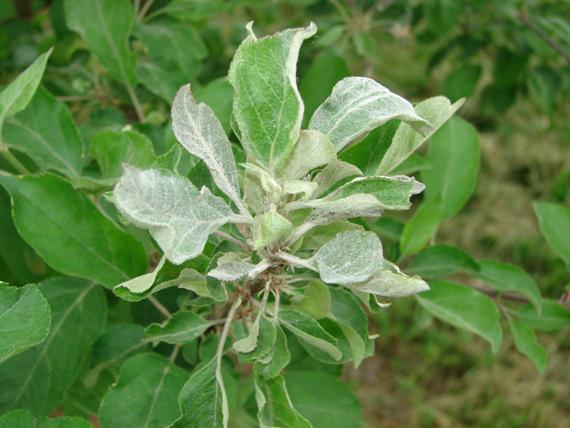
x=497, y=294
x=243, y=245
x=536, y=29
x=159, y=306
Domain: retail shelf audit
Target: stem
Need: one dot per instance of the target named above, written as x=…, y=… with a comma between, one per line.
x=276, y=307
x=174, y=353
x=145, y=9
x=13, y=160
x=159, y=306
x=524, y=18
x=296, y=261
x=243, y=245
x=136, y=103
x=498, y=295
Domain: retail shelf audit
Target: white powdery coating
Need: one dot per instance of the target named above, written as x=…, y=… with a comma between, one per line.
x=178, y=216
x=351, y=257
x=392, y=283
x=232, y=271
x=356, y=106
x=198, y=129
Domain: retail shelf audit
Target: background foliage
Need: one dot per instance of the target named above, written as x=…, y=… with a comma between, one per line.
x=116, y=66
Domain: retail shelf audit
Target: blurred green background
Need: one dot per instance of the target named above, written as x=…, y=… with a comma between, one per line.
x=511, y=59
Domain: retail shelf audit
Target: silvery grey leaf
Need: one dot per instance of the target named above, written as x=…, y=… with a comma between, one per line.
x=313, y=149
x=333, y=173
x=389, y=283
x=234, y=270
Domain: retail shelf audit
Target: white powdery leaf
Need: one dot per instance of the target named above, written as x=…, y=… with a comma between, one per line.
x=351, y=257
x=358, y=105
x=234, y=270
x=392, y=283
x=198, y=129
x=177, y=215
x=313, y=149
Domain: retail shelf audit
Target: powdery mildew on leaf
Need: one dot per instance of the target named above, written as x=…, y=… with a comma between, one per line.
x=177, y=215
x=392, y=283
x=198, y=129
x=351, y=257
x=358, y=105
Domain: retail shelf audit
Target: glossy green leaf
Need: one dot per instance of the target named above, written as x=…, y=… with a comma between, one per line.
x=267, y=106
x=464, y=308
x=105, y=26
x=46, y=132
x=553, y=317
x=454, y=158
x=527, y=343
x=177, y=215
x=144, y=395
x=17, y=95
x=356, y=106
x=49, y=214
x=442, y=260
x=25, y=319
x=554, y=222
x=38, y=378
x=422, y=227
x=407, y=140
x=505, y=277
x=183, y=327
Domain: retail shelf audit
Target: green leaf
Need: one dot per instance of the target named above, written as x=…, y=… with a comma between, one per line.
x=162, y=79
x=38, y=378
x=313, y=149
x=324, y=400
x=177, y=215
x=46, y=132
x=527, y=343
x=269, y=228
x=274, y=406
x=113, y=148
x=553, y=317
x=144, y=395
x=407, y=140
x=356, y=106
x=454, y=157
x=106, y=26
x=25, y=319
x=315, y=301
x=309, y=332
x=260, y=343
x=140, y=287
x=183, y=327
x=201, y=399
x=17, y=95
x=422, y=227
x=392, y=283
x=218, y=94
x=554, y=223
x=464, y=308
x=505, y=277
x=462, y=81
x=49, y=214
x=267, y=106
x=351, y=257
x=443, y=260
x=279, y=358
x=201, y=133
x=333, y=173
x=21, y=418
x=118, y=342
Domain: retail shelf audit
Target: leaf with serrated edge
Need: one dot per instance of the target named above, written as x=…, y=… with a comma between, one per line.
x=183, y=327
x=358, y=105
x=407, y=140
x=313, y=149
x=177, y=215
x=267, y=106
x=351, y=257
x=198, y=129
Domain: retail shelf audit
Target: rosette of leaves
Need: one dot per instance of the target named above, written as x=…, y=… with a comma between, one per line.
x=290, y=263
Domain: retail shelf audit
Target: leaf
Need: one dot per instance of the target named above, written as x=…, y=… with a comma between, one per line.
x=392, y=283
x=274, y=406
x=505, y=277
x=269, y=228
x=454, y=157
x=464, y=308
x=527, y=343
x=21, y=418
x=50, y=215
x=313, y=149
x=356, y=106
x=462, y=81
x=443, y=260
x=17, y=95
x=218, y=94
x=234, y=270
x=201, y=133
x=139, y=287
x=38, y=378
x=421, y=228
x=351, y=257
x=407, y=140
x=25, y=319
x=334, y=173
x=267, y=106
x=280, y=356
x=553, y=317
x=144, y=395
x=554, y=223
x=183, y=327
x=324, y=400
x=201, y=399
x=46, y=132
x=106, y=26
x=315, y=301
x=177, y=215
x=111, y=149
x=162, y=79
x=118, y=342
x=258, y=345
x=309, y=332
